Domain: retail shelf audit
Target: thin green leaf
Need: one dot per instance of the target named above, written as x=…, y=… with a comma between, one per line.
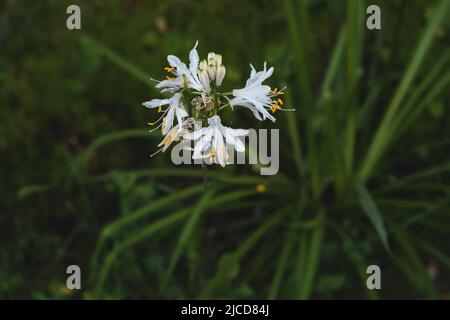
x=186, y=233
x=125, y=65
x=370, y=209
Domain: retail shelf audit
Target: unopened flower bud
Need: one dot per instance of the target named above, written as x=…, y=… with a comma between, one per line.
x=203, y=65
x=212, y=71
x=204, y=79
x=218, y=60
x=211, y=57
x=220, y=74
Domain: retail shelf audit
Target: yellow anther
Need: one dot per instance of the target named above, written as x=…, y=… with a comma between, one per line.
x=170, y=78
x=168, y=139
x=276, y=91
x=163, y=127
x=280, y=102
x=275, y=107
x=213, y=153
x=169, y=68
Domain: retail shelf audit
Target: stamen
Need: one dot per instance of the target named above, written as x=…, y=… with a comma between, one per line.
x=163, y=127
x=276, y=92
x=170, y=78
x=276, y=105
x=168, y=139
x=156, y=152
x=169, y=68
x=153, y=123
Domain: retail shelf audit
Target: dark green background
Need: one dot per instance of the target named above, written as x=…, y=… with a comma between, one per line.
x=62, y=92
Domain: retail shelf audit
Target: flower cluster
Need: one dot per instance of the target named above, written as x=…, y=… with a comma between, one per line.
x=195, y=98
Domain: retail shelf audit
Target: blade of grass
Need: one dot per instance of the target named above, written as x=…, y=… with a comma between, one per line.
x=433, y=251
x=424, y=86
x=294, y=135
x=186, y=234
x=370, y=209
x=300, y=269
x=355, y=42
x=220, y=276
x=356, y=258
x=420, y=278
x=134, y=239
x=281, y=266
x=83, y=157
x=438, y=87
x=115, y=227
x=192, y=173
x=385, y=130
x=313, y=258
x=299, y=34
x=333, y=67
x=125, y=65
x=299, y=31
x=326, y=102
x=158, y=225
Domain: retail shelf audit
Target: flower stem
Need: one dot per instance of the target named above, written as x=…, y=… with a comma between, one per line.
x=205, y=177
x=224, y=106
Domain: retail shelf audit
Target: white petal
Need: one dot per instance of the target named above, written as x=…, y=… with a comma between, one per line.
x=202, y=145
x=181, y=113
x=220, y=147
x=169, y=120
x=170, y=84
x=194, y=135
x=257, y=116
x=238, y=145
x=240, y=132
x=174, y=61
x=193, y=59
x=154, y=103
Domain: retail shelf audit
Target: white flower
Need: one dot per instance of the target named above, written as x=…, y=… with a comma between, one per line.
x=184, y=76
x=213, y=141
x=175, y=134
x=175, y=109
x=256, y=96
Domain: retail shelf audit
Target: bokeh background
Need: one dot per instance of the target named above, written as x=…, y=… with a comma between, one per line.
x=364, y=169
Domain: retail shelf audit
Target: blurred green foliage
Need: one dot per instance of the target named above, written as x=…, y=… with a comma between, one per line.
x=365, y=161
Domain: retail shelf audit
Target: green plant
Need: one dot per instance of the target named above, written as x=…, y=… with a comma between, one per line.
x=356, y=186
